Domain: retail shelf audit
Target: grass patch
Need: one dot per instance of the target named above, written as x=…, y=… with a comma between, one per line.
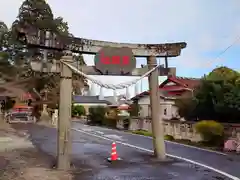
x=142, y=132
x=199, y=144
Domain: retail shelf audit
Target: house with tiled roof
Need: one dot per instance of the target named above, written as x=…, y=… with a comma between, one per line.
x=172, y=88
x=88, y=101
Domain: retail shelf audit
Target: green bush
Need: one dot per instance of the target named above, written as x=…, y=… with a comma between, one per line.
x=97, y=115
x=78, y=110
x=142, y=132
x=211, y=132
x=169, y=137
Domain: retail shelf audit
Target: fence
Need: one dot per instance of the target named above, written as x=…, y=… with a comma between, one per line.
x=178, y=129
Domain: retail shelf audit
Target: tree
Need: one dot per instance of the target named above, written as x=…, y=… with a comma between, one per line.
x=218, y=97
x=97, y=114
x=223, y=74
x=78, y=110
x=38, y=14
x=15, y=58
x=134, y=109
x=61, y=26
x=5, y=67
x=3, y=35
x=186, y=107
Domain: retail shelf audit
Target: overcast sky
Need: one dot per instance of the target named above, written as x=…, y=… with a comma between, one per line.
x=208, y=27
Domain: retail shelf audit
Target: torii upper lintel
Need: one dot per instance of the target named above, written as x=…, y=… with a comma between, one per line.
x=36, y=38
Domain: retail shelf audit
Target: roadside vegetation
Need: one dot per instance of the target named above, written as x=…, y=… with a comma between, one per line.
x=103, y=116
x=15, y=59
x=217, y=98
x=78, y=111
x=211, y=132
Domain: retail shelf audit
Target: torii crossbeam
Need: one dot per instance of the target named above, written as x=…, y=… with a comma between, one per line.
x=35, y=38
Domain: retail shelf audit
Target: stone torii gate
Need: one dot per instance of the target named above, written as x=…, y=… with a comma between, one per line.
x=34, y=38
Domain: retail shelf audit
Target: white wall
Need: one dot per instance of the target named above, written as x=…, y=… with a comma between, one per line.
x=144, y=100
x=168, y=109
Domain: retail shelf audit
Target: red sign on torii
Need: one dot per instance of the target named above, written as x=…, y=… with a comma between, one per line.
x=111, y=60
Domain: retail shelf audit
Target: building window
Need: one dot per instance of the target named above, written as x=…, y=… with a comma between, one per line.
x=165, y=111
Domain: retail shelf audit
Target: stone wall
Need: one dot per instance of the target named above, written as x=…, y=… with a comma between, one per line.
x=178, y=129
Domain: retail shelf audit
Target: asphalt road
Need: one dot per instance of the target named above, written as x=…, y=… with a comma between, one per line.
x=221, y=162
x=90, y=153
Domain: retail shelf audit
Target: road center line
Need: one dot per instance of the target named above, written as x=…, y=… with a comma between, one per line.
x=173, y=156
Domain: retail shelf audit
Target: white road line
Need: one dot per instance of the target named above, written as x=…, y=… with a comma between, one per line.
x=173, y=156
x=99, y=132
x=189, y=146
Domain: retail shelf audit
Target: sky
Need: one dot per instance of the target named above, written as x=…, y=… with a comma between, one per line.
x=208, y=28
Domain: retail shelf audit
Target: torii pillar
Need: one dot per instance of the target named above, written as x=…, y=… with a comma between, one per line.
x=64, y=122
x=157, y=123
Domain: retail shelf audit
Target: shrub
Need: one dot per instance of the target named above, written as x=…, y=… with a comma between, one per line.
x=97, y=115
x=78, y=110
x=112, y=113
x=111, y=117
x=211, y=132
x=169, y=137
x=109, y=122
x=142, y=132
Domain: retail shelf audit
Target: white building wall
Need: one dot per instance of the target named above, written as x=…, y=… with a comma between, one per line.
x=167, y=109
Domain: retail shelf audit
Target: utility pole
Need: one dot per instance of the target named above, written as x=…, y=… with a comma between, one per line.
x=64, y=123
x=157, y=124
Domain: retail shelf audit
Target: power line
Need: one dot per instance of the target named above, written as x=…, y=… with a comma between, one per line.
x=224, y=51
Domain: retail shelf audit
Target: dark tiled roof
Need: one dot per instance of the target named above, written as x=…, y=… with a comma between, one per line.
x=89, y=99
x=121, y=99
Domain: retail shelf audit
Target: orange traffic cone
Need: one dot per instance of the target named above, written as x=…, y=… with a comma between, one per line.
x=114, y=156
